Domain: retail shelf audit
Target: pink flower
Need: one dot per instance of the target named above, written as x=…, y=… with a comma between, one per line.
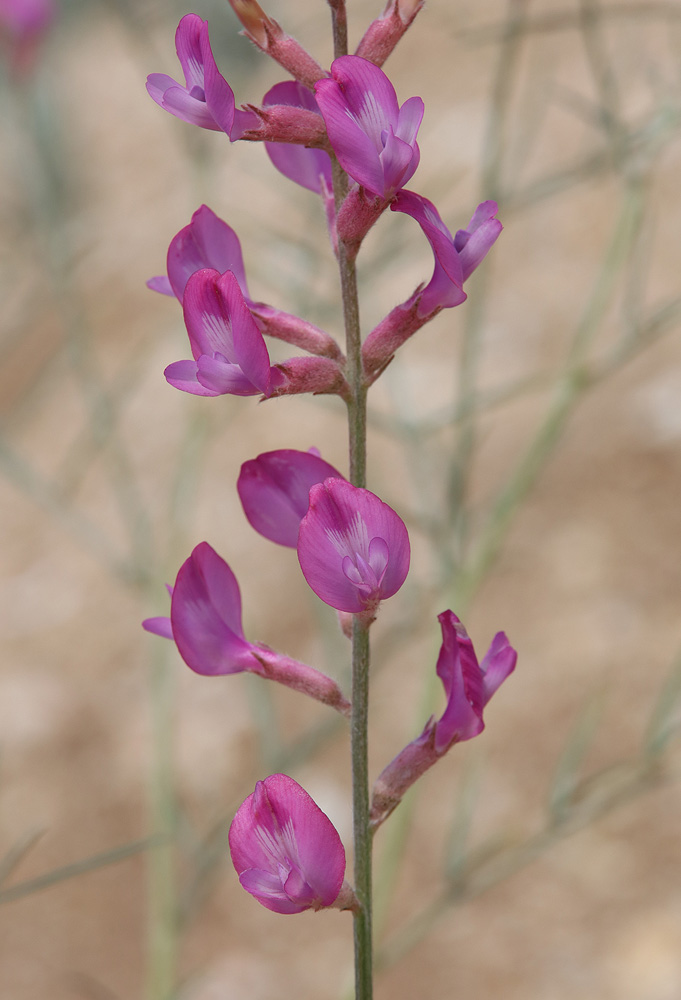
x=286, y=851
x=23, y=25
x=206, y=99
x=372, y=136
x=456, y=257
x=274, y=489
x=353, y=548
x=208, y=242
x=205, y=623
x=468, y=687
x=230, y=356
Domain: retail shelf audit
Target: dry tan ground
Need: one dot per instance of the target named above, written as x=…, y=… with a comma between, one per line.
x=587, y=584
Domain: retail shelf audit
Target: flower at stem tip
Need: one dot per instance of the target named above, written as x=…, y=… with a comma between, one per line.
x=205, y=622
x=286, y=851
x=468, y=687
x=353, y=548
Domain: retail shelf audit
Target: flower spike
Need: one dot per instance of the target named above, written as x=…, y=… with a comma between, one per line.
x=205, y=623
x=286, y=851
x=468, y=687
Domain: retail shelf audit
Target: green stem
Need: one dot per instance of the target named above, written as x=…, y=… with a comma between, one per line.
x=360, y=804
x=360, y=631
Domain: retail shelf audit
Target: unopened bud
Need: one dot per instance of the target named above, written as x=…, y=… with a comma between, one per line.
x=320, y=376
x=254, y=20
x=384, y=33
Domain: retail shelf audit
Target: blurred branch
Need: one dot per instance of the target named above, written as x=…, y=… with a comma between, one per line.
x=91, y=864
x=562, y=20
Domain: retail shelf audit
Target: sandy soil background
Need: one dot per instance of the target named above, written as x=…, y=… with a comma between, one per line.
x=110, y=477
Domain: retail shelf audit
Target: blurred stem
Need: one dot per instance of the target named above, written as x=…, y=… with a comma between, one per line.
x=572, y=383
x=163, y=922
x=357, y=433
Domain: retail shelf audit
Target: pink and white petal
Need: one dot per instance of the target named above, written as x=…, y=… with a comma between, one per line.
x=478, y=246
x=157, y=84
x=188, y=47
x=250, y=351
x=308, y=835
x=357, y=152
x=159, y=626
x=161, y=284
x=409, y=120
x=183, y=375
x=219, y=94
x=341, y=520
x=369, y=95
x=206, y=317
x=222, y=378
x=499, y=661
x=485, y=211
x=180, y=103
x=205, y=613
x=396, y=160
x=268, y=890
x=207, y=242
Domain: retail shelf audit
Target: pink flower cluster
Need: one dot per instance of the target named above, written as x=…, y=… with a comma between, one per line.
x=353, y=114
x=353, y=548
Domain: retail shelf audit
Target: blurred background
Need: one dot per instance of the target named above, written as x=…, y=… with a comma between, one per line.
x=530, y=438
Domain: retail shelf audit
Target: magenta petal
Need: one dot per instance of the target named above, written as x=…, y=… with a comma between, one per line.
x=334, y=546
x=303, y=166
x=184, y=375
x=207, y=242
x=499, y=661
x=221, y=378
x=458, y=669
x=374, y=140
x=409, y=120
x=478, y=245
x=396, y=160
x=206, y=99
x=219, y=94
x=160, y=284
x=356, y=151
x=220, y=326
x=368, y=93
x=274, y=489
x=159, y=626
x=285, y=850
x=205, y=613
x=188, y=48
x=445, y=288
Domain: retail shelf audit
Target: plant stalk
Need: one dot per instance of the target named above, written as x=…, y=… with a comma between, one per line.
x=360, y=631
